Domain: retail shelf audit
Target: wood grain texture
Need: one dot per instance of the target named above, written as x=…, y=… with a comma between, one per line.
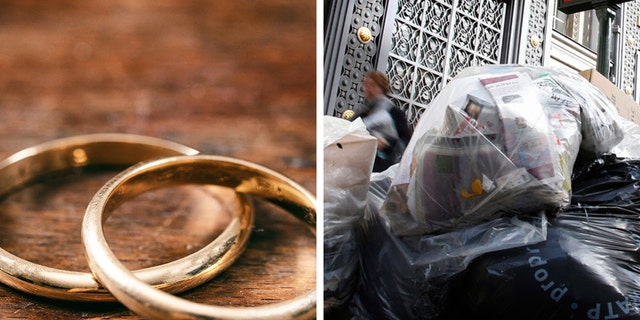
x=232, y=78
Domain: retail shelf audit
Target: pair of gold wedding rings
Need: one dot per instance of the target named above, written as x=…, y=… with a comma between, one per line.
x=153, y=163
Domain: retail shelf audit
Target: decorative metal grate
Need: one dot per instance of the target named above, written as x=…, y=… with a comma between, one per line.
x=428, y=43
x=358, y=58
x=433, y=40
x=631, y=51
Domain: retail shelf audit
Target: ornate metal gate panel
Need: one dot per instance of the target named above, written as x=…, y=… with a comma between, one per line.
x=630, y=60
x=347, y=57
x=422, y=44
x=433, y=40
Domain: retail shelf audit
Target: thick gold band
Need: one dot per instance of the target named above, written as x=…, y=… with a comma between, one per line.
x=40, y=161
x=244, y=177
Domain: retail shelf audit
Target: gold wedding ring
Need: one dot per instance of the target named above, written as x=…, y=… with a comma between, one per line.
x=65, y=154
x=242, y=176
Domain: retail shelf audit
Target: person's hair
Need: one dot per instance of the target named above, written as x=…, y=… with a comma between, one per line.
x=380, y=79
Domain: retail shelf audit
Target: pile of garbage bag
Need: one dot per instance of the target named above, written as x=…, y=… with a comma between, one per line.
x=583, y=263
x=515, y=199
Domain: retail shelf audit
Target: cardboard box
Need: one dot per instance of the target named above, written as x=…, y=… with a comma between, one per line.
x=625, y=104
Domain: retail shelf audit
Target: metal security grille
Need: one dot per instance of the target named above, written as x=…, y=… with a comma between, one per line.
x=348, y=59
x=433, y=40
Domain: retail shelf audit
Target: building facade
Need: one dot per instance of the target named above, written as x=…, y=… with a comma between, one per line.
x=422, y=44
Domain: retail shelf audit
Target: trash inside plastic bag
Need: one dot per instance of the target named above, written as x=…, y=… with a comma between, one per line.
x=403, y=277
x=349, y=151
x=498, y=140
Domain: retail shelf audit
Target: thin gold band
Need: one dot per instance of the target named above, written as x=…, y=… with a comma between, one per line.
x=244, y=177
x=60, y=155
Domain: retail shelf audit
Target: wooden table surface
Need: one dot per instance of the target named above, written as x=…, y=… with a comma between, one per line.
x=233, y=78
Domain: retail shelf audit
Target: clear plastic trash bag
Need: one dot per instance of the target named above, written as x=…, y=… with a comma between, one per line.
x=498, y=140
x=349, y=152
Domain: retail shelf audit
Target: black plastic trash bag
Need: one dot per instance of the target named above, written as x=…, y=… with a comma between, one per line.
x=606, y=180
x=588, y=268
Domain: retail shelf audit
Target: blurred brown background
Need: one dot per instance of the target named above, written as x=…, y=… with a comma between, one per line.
x=233, y=78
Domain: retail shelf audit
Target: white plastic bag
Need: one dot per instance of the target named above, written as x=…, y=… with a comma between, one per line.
x=349, y=152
